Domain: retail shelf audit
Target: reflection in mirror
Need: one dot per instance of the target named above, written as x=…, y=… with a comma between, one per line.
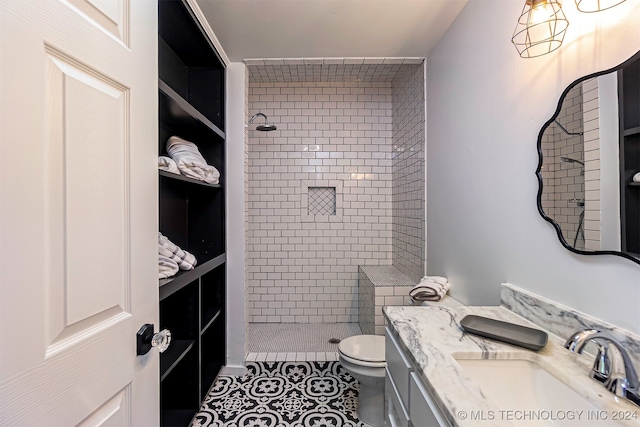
x=584, y=162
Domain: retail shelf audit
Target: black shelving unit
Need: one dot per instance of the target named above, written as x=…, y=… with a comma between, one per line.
x=192, y=213
x=629, y=116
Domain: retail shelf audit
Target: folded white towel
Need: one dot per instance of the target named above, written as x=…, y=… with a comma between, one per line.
x=167, y=267
x=168, y=164
x=184, y=259
x=430, y=288
x=190, y=162
x=636, y=177
x=438, y=279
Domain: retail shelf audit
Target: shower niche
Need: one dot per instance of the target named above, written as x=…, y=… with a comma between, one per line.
x=191, y=104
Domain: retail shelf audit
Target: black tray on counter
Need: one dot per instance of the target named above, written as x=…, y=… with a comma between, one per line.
x=533, y=339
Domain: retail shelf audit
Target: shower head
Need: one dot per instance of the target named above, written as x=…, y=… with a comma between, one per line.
x=266, y=127
x=570, y=160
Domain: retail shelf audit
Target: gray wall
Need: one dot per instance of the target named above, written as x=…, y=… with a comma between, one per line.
x=485, y=107
x=304, y=269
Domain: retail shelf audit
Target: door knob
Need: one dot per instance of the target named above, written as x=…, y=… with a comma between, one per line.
x=146, y=339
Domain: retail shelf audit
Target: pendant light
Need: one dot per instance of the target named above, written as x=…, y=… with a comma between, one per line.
x=540, y=29
x=596, y=5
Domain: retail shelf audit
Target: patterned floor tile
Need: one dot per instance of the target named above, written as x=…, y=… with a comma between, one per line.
x=283, y=394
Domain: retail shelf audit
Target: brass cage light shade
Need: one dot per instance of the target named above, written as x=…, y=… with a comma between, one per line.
x=541, y=28
x=596, y=5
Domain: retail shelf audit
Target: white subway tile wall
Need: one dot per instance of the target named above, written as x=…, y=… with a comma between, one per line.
x=562, y=181
x=366, y=303
x=327, y=70
x=356, y=124
x=381, y=286
x=591, y=119
x=246, y=207
x=408, y=189
x=307, y=272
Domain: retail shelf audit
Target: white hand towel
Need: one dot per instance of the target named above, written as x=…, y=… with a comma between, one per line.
x=168, y=164
x=167, y=267
x=438, y=279
x=430, y=288
x=636, y=177
x=190, y=162
x=184, y=259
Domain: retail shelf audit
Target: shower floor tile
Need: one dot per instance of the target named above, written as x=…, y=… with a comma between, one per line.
x=283, y=394
x=304, y=339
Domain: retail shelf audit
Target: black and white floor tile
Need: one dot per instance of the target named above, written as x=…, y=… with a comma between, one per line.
x=283, y=394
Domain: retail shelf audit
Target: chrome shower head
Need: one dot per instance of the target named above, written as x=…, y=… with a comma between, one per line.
x=266, y=127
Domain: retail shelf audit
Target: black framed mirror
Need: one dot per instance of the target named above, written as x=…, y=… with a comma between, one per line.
x=589, y=156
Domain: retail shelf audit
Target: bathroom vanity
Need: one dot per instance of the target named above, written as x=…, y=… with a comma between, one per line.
x=439, y=376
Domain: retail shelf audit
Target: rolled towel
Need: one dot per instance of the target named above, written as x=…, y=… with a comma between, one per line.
x=184, y=259
x=190, y=162
x=636, y=177
x=168, y=164
x=430, y=288
x=167, y=267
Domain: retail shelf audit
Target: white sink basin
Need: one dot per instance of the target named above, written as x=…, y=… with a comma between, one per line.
x=528, y=395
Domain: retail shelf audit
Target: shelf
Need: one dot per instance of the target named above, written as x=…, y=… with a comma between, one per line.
x=175, y=353
x=187, y=179
x=177, y=417
x=176, y=112
x=172, y=284
x=632, y=131
x=633, y=184
x=209, y=317
x=191, y=105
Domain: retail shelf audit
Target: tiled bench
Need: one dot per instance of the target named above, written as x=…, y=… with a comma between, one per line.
x=380, y=285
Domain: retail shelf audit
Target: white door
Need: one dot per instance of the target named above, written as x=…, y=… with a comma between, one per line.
x=78, y=211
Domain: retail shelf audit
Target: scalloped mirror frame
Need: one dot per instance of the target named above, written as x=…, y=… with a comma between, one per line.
x=628, y=256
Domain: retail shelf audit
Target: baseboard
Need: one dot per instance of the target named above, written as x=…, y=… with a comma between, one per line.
x=234, y=370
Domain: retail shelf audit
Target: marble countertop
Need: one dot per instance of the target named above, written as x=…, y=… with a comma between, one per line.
x=433, y=340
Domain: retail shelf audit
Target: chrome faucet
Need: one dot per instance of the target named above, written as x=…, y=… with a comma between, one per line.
x=613, y=367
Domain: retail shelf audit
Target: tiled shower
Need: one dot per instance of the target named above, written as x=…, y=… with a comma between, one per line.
x=340, y=183
x=573, y=188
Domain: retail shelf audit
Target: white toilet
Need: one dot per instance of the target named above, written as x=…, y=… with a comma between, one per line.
x=363, y=357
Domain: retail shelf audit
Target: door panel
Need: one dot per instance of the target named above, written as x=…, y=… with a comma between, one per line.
x=114, y=413
x=110, y=15
x=87, y=126
x=78, y=209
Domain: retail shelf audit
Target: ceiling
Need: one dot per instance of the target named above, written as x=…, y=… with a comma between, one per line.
x=329, y=28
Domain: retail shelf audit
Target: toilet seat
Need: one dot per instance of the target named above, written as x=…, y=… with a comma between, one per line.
x=364, y=350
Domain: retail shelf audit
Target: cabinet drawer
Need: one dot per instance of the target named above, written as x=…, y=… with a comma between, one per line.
x=423, y=410
x=398, y=367
x=396, y=413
